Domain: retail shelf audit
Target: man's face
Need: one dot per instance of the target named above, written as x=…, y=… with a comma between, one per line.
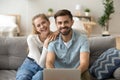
x=64, y=24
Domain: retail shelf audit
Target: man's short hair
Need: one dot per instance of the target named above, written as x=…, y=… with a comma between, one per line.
x=63, y=12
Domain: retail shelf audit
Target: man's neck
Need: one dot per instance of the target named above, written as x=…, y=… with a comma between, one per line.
x=68, y=37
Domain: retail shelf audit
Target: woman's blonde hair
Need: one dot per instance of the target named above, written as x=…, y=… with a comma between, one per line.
x=43, y=16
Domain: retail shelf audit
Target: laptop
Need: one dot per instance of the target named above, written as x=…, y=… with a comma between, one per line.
x=61, y=74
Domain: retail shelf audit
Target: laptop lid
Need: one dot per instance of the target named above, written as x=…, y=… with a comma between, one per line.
x=61, y=74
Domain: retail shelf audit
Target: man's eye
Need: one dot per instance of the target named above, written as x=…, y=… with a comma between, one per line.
x=66, y=22
x=59, y=23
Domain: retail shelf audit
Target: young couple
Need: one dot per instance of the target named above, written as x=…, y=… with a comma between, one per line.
x=69, y=49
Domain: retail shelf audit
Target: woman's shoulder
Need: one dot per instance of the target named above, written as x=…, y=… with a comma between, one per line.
x=31, y=37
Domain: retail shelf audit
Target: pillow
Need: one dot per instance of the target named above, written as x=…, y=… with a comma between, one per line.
x=106, y=63
x=8, y=28
x=6, y=20
x=78, y=25
x=53, y=26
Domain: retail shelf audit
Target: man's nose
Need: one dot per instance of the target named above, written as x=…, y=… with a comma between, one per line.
x=63, y=25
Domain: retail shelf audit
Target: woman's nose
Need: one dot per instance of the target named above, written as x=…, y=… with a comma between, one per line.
x=41, y=26
x=62, y=25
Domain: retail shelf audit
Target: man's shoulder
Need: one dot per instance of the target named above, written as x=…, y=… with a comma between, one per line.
x=79, y=32
x=56, y=41
x=83, y=37
x=80, y=35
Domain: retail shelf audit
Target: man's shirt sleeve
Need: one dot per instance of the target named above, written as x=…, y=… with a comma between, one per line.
x=85, y=46
x=51, y=47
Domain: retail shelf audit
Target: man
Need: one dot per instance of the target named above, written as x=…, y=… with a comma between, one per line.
x=70, y=49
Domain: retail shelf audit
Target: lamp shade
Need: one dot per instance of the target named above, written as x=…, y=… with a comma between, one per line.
x=77, y=7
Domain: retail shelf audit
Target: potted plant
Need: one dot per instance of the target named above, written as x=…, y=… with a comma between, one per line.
x=50, y=11
x=87, y=11
x=104, y=19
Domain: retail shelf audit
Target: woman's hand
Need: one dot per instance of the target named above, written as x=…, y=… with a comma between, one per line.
x=52, y=36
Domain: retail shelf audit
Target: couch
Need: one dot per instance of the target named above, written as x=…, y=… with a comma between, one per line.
x=13, y=51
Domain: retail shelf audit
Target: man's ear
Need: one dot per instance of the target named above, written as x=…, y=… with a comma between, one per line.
x=72, y=21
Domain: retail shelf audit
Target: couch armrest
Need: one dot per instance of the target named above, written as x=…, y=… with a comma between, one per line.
x=102, y=43
x=116, y=73
x=118, y=42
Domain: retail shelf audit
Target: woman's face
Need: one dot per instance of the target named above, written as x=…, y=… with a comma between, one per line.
x=42, y=25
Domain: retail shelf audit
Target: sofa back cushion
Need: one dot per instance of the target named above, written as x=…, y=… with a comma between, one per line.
x=13, y=51
x=100, y=44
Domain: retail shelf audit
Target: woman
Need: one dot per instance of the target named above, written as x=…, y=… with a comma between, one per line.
x=32, y=67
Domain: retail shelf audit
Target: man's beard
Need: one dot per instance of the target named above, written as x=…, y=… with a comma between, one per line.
x=65, y=32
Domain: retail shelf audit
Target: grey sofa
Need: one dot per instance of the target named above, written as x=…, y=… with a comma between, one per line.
x=13, y=51
x=98, y=45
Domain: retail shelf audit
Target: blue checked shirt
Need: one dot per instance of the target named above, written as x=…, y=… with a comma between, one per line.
x=69, y=57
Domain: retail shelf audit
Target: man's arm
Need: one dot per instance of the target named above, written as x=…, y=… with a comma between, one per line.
x=84, y=61
x=50, y=60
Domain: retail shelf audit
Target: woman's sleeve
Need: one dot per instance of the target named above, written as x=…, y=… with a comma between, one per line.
x=33, y=48
x=42, y=59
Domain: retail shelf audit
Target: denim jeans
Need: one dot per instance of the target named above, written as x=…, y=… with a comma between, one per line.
x=29, y=70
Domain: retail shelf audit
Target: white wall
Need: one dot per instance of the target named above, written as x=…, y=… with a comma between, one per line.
x=28, y=8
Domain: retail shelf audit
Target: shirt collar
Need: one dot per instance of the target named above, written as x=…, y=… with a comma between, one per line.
x=72, y=39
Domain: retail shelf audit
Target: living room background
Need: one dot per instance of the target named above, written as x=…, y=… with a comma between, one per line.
x=28, y=8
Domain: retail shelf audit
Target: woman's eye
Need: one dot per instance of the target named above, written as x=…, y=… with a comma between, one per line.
x=38, y=25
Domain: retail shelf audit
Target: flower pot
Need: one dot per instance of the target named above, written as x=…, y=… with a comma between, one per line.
x=50, y=13
x=87, y=13
x=105, y=32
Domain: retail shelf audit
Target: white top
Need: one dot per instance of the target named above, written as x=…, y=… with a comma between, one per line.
x=36, y=50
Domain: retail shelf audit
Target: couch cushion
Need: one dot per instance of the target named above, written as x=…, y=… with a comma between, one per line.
x=7, y=74
x=97, y=47
x=105, y=65
x=17, y=49
x=3, y=47
x=14, y=52
x=96, y=43
x=116, y=73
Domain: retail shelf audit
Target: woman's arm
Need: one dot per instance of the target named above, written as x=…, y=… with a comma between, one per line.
x=50, y=38
x=34, y=50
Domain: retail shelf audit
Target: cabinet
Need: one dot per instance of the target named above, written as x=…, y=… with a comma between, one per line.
x=88, y=22
x=89, y=26
x=84, y=18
